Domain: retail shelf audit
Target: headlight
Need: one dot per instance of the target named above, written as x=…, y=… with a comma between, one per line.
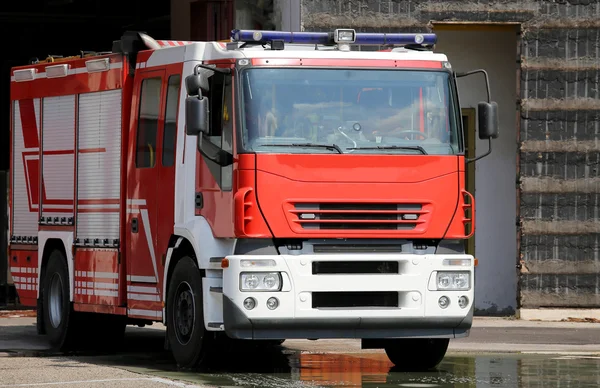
x=453, y=280
x=260, y=281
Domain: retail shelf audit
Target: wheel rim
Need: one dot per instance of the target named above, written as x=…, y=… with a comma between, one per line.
x=55, y=300
x=184, y=313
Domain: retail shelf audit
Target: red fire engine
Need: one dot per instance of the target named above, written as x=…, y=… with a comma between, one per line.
x=279, y=185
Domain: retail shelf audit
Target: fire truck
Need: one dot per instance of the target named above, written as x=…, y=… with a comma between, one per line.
x=278, y=185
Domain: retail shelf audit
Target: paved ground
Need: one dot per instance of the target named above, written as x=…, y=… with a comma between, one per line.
x=25, y=362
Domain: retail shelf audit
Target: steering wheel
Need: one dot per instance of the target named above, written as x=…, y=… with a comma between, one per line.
x=303, y=126
x=398, y=132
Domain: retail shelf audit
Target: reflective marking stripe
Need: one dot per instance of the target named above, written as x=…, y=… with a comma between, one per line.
x=110, y=286
x=106, y=293
x=146, y=290
x=153, y=298
x=136, y=201
x=98, y=275
x=145, y=313
x=142, y=279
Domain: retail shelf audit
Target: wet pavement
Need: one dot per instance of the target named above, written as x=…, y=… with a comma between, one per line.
x=143, y=362
x=289, y=368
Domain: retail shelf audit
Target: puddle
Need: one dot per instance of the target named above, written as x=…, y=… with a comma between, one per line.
x=287, y=368
x=18, y=314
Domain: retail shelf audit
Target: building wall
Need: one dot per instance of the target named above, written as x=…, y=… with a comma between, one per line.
x=558, y=179
x=248, y=14
x=495, y=194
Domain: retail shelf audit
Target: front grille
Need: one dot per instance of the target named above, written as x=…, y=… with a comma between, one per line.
x=358, y=216
x=355, y=267
x=354, y=299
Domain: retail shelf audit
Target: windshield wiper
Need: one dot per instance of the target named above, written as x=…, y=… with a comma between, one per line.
x=327, y=146
x=392, y=147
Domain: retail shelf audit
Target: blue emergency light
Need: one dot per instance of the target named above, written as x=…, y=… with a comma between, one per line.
x=348, y=36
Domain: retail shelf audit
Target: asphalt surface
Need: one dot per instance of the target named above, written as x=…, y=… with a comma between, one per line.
x=498, y=353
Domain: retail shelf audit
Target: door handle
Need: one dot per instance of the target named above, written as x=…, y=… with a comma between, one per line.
x=134, y=225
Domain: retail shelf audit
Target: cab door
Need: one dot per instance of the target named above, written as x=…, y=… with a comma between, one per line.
x=143, y=199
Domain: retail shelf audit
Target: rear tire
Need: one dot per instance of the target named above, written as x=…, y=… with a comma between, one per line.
x=59, y=319
x=189, y=340
x=416, y=354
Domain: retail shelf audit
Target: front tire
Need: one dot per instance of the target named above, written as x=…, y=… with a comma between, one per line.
x=416, y=354
x=189, y=340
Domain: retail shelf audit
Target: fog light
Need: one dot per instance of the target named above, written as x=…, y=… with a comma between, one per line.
x=463, y=302
x=272, y=303
x=249, y=303
x=444, y=302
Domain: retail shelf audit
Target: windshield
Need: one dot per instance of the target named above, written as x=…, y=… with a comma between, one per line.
x=353, y=111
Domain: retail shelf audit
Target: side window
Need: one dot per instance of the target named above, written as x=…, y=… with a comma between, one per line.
x=170, y=130
x=215, y=101
x=148, y=123
x=216, y=104
x=221, y=126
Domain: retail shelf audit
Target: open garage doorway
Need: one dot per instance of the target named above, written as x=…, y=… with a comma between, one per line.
x=493, y=178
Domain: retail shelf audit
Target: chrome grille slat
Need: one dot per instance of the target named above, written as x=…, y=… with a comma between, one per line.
x=357, y=216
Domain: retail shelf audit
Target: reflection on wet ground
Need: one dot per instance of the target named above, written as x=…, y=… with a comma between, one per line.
x=280, y=367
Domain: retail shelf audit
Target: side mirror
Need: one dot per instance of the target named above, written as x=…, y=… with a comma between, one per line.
x=196, y=115
x=488, y=120
x=196, y=83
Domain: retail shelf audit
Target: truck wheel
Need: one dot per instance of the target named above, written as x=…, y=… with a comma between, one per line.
x=416, y=353
x=189, y=340
x=58, y=314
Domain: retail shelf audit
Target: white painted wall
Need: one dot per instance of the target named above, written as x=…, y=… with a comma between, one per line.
x=287, y=14
x=495, y=192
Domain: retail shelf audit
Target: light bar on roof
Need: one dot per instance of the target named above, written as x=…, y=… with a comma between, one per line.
x=96, y=65
x=57, y=71
x=390, y=38
x=287, y=37
x=326, y=38
x=24, y=75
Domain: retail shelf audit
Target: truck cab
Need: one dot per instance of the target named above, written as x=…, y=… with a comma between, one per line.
x=348, y=190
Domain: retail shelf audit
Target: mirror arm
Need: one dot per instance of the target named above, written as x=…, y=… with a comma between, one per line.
x=489, y=151
x=215, y=69
x=487, y=81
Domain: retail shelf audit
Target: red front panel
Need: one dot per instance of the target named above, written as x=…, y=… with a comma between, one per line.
x=23, y=266
x=336, y=196
x=97, y=279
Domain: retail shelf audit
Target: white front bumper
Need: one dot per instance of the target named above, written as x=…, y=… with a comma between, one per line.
x=418, y=309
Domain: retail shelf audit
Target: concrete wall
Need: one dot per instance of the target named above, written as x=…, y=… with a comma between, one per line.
x=495, y=194
x=249, y=14
x=558, y=171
